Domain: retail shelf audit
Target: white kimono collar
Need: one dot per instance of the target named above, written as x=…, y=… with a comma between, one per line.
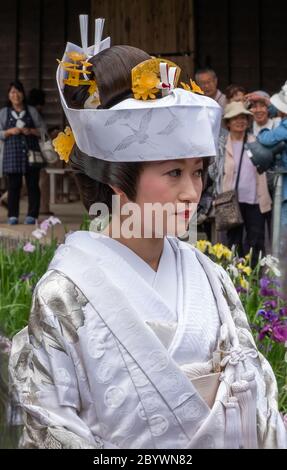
x=163, y=281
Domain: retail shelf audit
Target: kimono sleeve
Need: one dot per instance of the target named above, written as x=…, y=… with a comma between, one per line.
x=42, y=370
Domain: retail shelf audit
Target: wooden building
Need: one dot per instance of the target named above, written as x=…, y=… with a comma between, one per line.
x=245, y=42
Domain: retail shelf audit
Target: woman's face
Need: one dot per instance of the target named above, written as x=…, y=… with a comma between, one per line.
x=176, y=187
x=238, y=96
x=260, y=112
x=238, y=123
x=15, y=96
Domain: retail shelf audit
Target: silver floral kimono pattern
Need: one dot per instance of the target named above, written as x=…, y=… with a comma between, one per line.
x=89, y=371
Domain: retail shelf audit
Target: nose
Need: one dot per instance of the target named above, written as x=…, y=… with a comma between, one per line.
x=190, y=191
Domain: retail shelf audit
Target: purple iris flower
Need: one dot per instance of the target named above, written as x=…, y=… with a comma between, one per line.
x=279, y=332
x=269, y=315
x=283, y=312
x=264, y=284
x=276, y=330
x=266, y=330
x=270, y=304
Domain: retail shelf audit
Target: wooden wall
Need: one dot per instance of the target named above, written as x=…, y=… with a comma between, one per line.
x=245, y=42
x=33, y=34
x=161, y=28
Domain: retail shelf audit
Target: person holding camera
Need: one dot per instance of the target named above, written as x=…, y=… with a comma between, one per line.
x=272, y=137
x=262, y=110
x=259, y=104
x=20, y=130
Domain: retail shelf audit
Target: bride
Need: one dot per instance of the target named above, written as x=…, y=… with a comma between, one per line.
x=135, y=338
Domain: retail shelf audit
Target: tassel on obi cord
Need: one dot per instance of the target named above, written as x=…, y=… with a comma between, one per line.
x=241, y=390
x=245, y=391
x=232, y=424
x=250, y=378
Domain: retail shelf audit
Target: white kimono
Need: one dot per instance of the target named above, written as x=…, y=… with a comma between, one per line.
x=117, y=355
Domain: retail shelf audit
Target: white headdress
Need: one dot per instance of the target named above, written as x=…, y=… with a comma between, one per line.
x=181, y=124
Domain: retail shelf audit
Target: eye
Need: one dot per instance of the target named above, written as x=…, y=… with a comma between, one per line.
x=199, y=173
x=174, y=173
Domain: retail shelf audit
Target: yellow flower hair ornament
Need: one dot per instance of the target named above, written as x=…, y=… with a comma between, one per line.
x=64, y=143
x=192, y=87
x=77, y=71
x=146, y=86
x=154, y=75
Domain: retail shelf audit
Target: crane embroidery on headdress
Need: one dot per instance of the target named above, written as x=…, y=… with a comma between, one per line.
x=139, y=135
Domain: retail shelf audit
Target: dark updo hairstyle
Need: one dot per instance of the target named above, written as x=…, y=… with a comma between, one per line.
x=19, y=86
x=112, y=71
x=94, y=177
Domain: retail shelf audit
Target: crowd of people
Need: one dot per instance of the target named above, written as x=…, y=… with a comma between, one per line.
x=247, y=116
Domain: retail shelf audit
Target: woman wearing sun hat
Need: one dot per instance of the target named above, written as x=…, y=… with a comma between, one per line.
x=132, y=342
x=253, y=196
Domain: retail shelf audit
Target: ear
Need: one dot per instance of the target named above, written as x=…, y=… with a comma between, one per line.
x=119, y=192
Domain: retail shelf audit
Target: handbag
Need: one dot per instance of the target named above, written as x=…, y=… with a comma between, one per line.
x=47, y=149
x=227, y=210
x=36, y=159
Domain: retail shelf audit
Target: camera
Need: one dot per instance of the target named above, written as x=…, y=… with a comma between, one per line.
x=264, y=158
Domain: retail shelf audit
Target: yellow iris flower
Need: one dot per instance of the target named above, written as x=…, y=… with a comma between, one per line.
x=244, y=283
x=245, y=269
x=202, y=245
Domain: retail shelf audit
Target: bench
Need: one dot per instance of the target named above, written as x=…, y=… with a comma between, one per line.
x=64, y=172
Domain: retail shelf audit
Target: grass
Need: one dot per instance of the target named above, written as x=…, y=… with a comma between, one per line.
x=19, y=273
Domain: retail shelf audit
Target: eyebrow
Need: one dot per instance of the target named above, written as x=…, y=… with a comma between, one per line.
x=179, y=160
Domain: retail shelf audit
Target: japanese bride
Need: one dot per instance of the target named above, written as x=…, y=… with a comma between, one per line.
x=135, y=338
